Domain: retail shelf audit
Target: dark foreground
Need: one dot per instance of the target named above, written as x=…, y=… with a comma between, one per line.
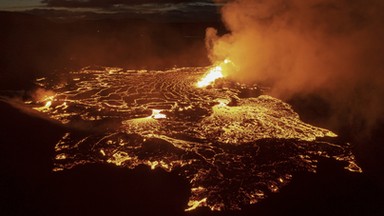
x=29, y=187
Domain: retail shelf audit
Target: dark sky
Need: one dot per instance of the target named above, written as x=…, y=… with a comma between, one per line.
x=115, y=3
x=68, y=9
x=18, y=5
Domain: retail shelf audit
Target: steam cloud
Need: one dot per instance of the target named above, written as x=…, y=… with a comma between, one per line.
x=332, y=48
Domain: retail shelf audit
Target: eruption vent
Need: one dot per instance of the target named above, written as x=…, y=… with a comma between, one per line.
x=215, y=73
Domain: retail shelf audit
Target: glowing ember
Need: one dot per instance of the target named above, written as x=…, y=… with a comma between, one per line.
x=213, y=74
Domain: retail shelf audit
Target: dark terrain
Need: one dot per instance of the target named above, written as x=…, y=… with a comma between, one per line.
x=33, y=47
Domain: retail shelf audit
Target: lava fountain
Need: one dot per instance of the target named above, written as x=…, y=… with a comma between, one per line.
x=214, y=73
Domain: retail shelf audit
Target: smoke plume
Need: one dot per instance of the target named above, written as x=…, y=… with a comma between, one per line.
x=332, y=48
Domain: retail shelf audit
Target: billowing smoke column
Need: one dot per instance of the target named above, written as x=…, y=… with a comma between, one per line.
x=329, y=47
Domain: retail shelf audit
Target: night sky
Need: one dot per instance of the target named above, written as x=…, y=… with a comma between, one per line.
x=176, y=10
x=20, y=4
x=106, y=6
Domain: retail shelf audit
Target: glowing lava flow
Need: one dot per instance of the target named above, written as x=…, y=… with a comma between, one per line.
x=233, y=150
x=213, y=74
x=157, y=115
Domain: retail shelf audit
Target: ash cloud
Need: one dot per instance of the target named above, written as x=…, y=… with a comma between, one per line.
x=331, y=48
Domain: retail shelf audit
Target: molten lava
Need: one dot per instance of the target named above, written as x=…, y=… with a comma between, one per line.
x=214, y=74
x=48, y=103
x=157, y=115
x=214, y=139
